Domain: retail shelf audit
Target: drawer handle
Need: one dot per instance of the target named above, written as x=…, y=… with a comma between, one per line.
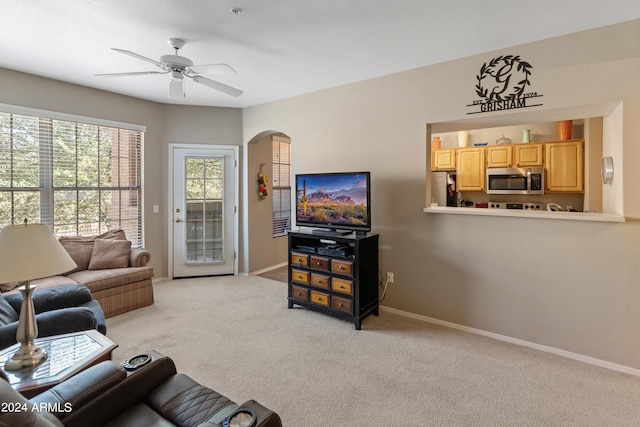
x=319, y=281
x=319, y=298
x=299, y=294
x=341, y=287
x=318, y=263
x=340, y=267
x=340, y=305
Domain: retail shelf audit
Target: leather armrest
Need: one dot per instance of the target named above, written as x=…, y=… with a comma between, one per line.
x=70, y=395
x=124, y=395
x=139, y=257
x=264, y=417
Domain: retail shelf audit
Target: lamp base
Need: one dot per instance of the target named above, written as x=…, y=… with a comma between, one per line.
x=27, y=356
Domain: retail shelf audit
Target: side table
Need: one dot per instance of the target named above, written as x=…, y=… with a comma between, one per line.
x=67, y=355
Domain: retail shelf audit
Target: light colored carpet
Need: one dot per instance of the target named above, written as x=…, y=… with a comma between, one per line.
x=237, y=336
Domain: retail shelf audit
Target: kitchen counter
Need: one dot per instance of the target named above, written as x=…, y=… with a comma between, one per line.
x=574, y=216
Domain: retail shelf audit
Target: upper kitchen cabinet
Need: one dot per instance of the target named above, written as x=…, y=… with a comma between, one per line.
x=528, y=155
x=443, y=159
x=500, y=156
x=564, y=163
x=470, y=169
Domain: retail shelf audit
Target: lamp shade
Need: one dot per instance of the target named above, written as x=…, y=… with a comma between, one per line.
x=31, y=251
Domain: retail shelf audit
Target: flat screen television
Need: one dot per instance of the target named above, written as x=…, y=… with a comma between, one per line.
x=334, y=202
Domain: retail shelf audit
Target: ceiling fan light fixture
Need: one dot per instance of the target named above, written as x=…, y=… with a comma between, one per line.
x=176, y=87
x=176, y=75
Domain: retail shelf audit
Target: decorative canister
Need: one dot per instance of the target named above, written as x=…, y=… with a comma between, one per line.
x=463, y=138
x=435, y=142
x=526, y=135
x=564, y=129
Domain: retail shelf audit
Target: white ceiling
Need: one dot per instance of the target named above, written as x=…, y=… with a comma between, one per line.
x=279, y=48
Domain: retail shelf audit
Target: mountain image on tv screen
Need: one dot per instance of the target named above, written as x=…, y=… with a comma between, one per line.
x=332, y=199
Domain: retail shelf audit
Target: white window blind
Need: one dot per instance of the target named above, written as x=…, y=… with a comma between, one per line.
x=281, y=185
x=78, y=178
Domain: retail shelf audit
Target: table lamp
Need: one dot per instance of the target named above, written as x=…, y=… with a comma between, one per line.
x=28, y=252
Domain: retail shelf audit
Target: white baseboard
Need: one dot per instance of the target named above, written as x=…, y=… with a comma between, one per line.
x=264, y=270
x=547, y=349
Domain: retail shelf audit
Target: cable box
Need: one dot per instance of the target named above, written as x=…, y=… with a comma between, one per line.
x=333, y=250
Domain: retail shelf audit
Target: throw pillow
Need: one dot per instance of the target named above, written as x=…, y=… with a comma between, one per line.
x=80, y=249
x=113, y=234
x=109, y=253
x=6, y=287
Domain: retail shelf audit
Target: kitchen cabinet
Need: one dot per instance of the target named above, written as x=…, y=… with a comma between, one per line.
x=564, y=164
x=500, y=156
x=470, y=169
x=528, y=155
x=443, y=159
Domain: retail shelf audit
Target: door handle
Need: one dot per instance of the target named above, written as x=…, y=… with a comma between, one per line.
x=178, y=220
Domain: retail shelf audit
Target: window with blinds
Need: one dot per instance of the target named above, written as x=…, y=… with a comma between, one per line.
x=281, y=185
x=78, y=178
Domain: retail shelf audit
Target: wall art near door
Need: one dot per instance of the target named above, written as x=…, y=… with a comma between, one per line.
x=504, y=84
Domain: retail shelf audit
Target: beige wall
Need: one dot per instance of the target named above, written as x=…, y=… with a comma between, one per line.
x=571, y=285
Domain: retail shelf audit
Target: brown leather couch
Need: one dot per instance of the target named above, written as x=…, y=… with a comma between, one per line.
x=108, y=395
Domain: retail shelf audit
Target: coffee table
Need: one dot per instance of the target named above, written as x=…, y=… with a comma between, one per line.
x=67, y=355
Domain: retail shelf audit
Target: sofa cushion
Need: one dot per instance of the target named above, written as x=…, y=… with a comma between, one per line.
x=98, y=280
x=109, y=253
x=7, y=313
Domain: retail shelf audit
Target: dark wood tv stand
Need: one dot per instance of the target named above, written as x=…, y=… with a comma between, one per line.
x=335, y=275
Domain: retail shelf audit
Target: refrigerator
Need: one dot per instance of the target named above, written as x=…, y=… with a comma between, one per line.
x=443, y=188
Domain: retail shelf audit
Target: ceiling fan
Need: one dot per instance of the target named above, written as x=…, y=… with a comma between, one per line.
x=180, y=67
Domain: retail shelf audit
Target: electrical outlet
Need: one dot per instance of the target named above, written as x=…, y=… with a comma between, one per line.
x=390, y=277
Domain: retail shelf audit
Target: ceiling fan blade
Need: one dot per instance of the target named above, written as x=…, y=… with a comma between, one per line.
x=134, y=73
x=213, y=69
x=218, y=86
x=144, y=58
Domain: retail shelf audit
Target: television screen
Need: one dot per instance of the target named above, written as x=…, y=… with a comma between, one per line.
x=339, y=201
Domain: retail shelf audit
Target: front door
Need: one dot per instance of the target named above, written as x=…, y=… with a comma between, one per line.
x=204, y=215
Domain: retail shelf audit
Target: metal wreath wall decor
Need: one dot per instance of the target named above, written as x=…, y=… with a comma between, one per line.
x=502, y=84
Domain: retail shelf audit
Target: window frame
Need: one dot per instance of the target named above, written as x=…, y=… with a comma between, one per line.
x=46, y=170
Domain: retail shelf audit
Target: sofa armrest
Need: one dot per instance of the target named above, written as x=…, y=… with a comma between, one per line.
x=264, y=417
x=8, y=334
x=139, y=257
x=60, y=297
x=72, y=394
x=14, y=300
x=124, y=395
x=65, y=321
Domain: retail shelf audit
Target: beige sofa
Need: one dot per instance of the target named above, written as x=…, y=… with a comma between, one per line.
x=116, y=274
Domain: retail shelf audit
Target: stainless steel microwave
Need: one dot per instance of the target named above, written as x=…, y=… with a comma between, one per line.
x=515, y=181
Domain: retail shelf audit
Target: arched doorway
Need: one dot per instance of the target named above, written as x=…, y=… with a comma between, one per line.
x=268, y=217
